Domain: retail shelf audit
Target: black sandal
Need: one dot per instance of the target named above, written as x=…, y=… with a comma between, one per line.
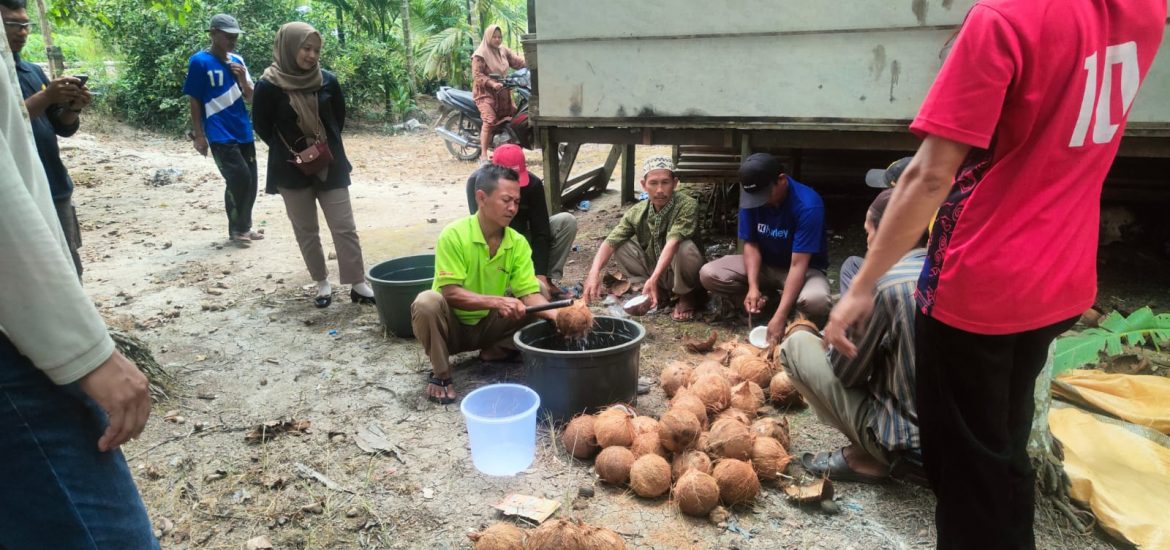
x=323, y=301
x=442, y=383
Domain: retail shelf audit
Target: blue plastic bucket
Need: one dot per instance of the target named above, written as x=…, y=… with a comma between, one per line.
x=501, y=424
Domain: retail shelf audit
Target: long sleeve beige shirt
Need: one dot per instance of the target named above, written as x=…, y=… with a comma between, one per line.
x=43, y=309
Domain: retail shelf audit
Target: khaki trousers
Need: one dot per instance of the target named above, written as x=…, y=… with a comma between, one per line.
x=728, y=276
x=682, y=277
x=442, y=334
x=564, y=232
x=301, y=205
x=847, y=409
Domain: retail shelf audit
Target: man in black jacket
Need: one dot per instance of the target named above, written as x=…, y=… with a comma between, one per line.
x=550, y=237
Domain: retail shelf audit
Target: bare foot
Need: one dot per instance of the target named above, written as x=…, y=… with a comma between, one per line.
x=861, y=462
x=684, y=310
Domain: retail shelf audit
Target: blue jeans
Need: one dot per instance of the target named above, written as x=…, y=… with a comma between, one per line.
x=56, y=489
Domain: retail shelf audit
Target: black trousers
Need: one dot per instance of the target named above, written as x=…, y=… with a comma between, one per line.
x=975, y=408
x=237, y=164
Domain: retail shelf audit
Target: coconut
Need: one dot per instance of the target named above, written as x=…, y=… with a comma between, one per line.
x=674, y=376
x=600, y=538
x=501, y=536
x=714, y=391
x=771, y=427
x=696, y=493
x=689, y=460
x=740, y=349
x=730, y=439
x=686, y=400
x=750, y=367
x=614, y=426
x=650, y=476
x=561, y=534
x=648, y=443
x=644, y=424
x=704, y=441
x=737, y=481
x=747, y=396
x=769, y=458
x=579, y=438
x=736, y=415
x=613, y=465
x=678, y=430
x=705, y=368
x=575, y=321
x=783, y=391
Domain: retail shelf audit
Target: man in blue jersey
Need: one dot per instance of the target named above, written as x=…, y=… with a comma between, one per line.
x=218, y=85
x=782, y=226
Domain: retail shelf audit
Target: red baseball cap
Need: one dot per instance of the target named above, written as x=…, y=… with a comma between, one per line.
x=512, y=156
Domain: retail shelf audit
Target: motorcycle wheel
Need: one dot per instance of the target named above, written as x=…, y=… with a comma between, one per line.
x=456, y=123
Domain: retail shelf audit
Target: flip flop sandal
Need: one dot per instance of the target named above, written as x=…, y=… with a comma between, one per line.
x=833, y=465
x=442, y=383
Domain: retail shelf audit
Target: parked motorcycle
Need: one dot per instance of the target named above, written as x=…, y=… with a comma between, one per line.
x=461, y=126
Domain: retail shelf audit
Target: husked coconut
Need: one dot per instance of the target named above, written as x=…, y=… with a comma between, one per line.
x=575, y=322
x=704, y=441
x=648, y=443
x=736, y=415
x=676, y=375
x=705, y=368
x=561, y=534
x=737, y=481
x=613, y=465
x=769, y=458
x=600, y=538
x=645, y=424
x=614, y=426
x=688, y=401
x=579, y=438
x=783, y=391
x=714, y=391
x=696, y=493
x=501, y=536
x=774, y=428
x=678, y=430
x=650, y=476
x=685, y=461
x=730, y=439
x=750, y=367
x=748, y=397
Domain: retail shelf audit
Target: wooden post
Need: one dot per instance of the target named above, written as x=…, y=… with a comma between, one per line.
x=52, y=53
x=552, y=172
x=628, y=174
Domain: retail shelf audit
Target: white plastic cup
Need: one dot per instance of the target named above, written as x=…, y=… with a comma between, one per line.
x=758, y=337
x=501, y=424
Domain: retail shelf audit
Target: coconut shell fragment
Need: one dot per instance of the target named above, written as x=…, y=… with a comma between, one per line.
x=696, y=493
x=783, y=392
x=650, y=476
x=748, y=397
x=614, y=426
x=678, y=430
x=730, y=439
x=769, y=458
x=816, y=491
x=501, y=536
x=560, y=534
x=574, y=322
x=700, y=346
x=714, y=391
x=579, y=438
x=689, y=460
x=676, y=375
x=737, y=481
x=613, y=465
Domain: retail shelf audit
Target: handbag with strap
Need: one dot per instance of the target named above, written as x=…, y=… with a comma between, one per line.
x=313, y=159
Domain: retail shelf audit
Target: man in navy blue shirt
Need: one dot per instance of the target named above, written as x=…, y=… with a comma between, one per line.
x=782, y=226
x=218, y=86
x=54, y=106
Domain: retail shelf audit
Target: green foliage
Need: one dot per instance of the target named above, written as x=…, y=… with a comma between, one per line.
x=1140, y=328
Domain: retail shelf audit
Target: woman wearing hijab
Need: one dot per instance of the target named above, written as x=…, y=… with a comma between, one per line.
x=296, y=104
x=492, y=98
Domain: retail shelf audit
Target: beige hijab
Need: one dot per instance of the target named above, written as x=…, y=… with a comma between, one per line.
x=300, y=85
x=496, y=59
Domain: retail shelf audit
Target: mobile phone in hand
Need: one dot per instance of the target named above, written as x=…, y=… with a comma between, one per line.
x=83, y=78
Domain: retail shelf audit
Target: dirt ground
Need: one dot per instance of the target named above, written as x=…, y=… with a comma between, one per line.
x=237, y=330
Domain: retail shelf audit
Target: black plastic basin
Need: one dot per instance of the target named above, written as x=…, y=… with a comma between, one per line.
x=575, y=377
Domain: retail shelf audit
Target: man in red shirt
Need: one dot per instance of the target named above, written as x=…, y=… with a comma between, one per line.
x=1020, y=129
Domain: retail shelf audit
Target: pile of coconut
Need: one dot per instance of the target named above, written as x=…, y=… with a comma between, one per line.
x=715, y=443
x=561, y=534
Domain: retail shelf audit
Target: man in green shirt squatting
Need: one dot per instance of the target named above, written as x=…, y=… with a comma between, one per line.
x=478, y=260
x=654, y=243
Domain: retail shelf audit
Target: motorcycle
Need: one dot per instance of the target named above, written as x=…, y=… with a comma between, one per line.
x=461, y=126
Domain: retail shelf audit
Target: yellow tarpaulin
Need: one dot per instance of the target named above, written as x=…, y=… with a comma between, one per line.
x=1142, y=400
x=1123, y=476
